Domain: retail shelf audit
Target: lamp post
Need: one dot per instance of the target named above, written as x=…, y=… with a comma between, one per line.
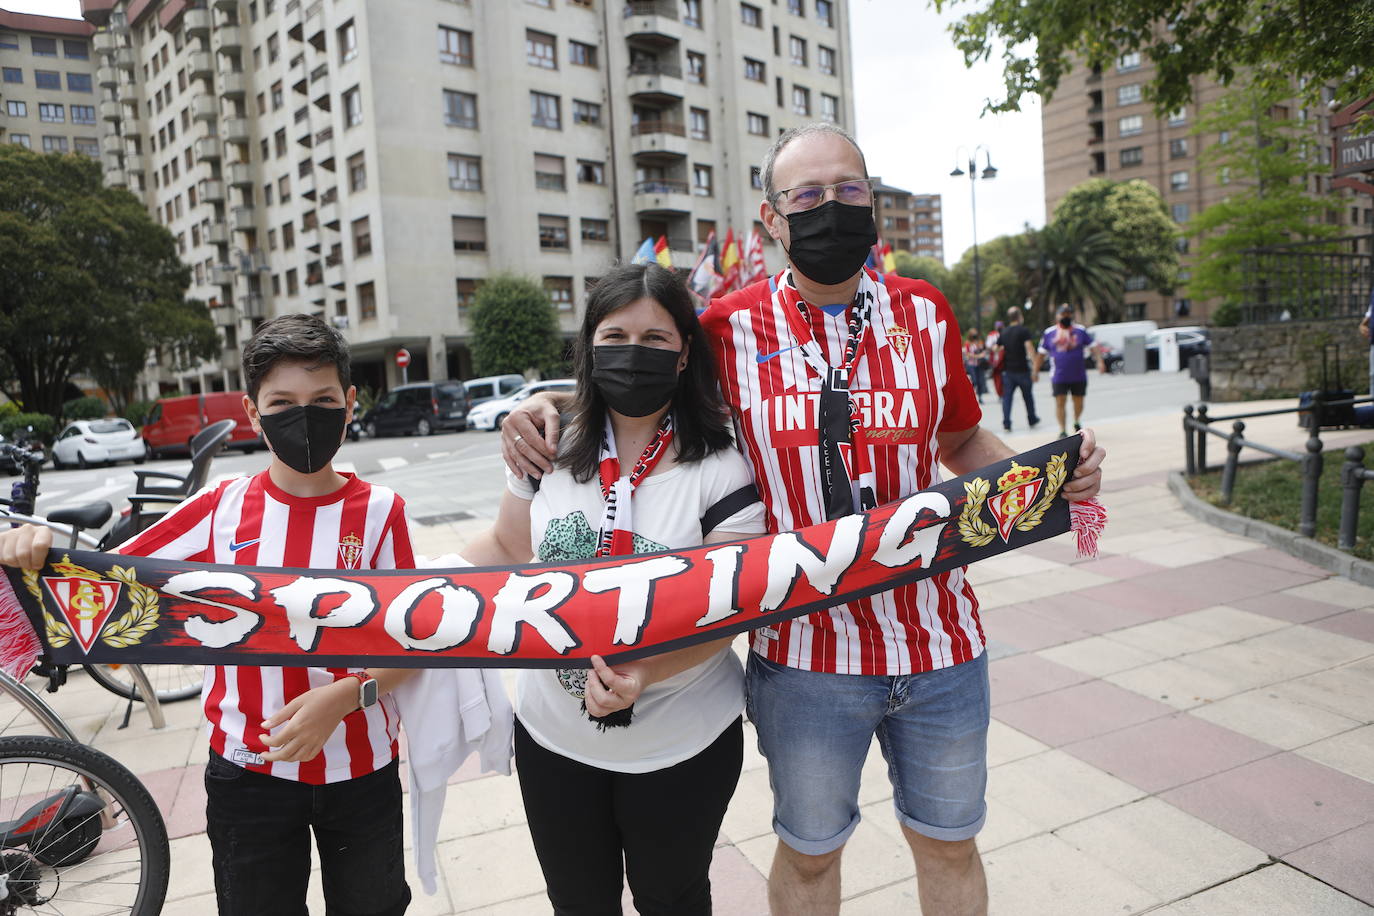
x=988, y=172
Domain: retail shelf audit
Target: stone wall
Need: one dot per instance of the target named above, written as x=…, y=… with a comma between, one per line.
x=1277, y=360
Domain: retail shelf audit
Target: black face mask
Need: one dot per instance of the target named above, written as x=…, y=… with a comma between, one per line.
x=306, y=438
x=1066, y=321
x=634, y=380
x=831, y=242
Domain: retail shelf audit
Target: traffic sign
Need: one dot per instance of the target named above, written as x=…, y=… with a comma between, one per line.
x=403, y=357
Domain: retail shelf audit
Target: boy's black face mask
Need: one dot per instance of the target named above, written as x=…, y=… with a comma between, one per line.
x=305, y=438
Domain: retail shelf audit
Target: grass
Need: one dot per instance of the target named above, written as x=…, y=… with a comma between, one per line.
x=1271, y=491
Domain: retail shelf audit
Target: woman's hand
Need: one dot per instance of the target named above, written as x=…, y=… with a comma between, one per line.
x=310, y=719
x=529, y=436
x=609, y=691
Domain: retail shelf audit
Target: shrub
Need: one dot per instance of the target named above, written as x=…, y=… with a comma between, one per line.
x=1226, y=315
x=137, y=411
x=44, y=426
x=84, y=409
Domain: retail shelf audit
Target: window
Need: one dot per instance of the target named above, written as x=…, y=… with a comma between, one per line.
x=54, y=144
x=545, y=111
x=348, y=42
x=1137, y=283
x=460, y=109
x=1132, y=156
x=1178, y=148
x=825, y=12
x=825, y=60
x=560, y=292
x=455, y=47
x=271, y=240
x=548, y=172
x=469, y=233
x=279, y=140
x=755, y=177
x=12, y=74
x=288, y=236
x=586, y=113
x=284, y=188
x=699, y=121
x=1128, y=94
x=267, y=194
x=1130, y=125
x=276, y=95
x=47, y=79
x=362, y=237
x=353, y=107
x=751, y=15
x=553, y=232
x=21, y=140
x=691, y=13
x=541, y=50
x=1178, y=181
x=357, y=172
x=79, y=82
x=753, y=70
x=830, y=107
x=1224, y=175
x=701, y=180
x=83, y=114
x=596, y=230
x=798, y=49
x=591, y=172
x=1181, y=244
x=43, y=47
x=367, y=301
x=758, y=124
x=1128, y=62
x=51, y=113
x=801, y=100
x=795, y=8
x=696, y=67
x=1178, y=117
x=9, y=40
x=466, y=293
x=16, y=109
x=583, y=55
x=1179, y=212
x=464, y=173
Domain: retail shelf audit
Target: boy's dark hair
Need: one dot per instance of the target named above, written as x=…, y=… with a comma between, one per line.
x=297, y=337
x=700, y=420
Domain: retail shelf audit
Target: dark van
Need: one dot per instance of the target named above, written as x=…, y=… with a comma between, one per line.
x=419, y=409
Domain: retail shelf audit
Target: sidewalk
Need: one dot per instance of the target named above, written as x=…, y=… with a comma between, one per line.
x=1181, y=726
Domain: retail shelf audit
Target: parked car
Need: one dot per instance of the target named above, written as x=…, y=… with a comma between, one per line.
x=7, y=464
x=1112, y=358
x=418, y=409
x=88, y=442
x=493, y=413
x=173, y=421
x=1191, y=341
x=481, y=390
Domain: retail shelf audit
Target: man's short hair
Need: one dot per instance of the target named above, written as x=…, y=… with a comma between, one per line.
x=306, y=338
x=1014, y=314
x=795, y=133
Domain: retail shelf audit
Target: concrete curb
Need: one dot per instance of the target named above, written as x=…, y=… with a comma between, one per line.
x=1305, y=549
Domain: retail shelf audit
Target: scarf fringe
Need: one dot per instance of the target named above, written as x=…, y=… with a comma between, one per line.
x=19, y=645
x=1087, y=519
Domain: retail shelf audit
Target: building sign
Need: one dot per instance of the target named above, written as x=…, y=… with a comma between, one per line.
x=1352, y=155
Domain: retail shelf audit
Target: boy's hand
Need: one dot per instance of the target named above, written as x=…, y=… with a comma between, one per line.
x=310, y=719
x=25, y=547
x=1087, y=477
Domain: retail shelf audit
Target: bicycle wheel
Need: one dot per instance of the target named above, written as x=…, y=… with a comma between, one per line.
x=78, y=833
x=171, y=682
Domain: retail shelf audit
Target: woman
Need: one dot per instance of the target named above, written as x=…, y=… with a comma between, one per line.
x=976, y=362
x=634, y=764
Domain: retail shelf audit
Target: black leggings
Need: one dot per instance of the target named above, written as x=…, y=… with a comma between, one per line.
x=591, y=826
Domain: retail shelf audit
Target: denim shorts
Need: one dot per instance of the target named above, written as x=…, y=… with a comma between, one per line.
x=815, y=729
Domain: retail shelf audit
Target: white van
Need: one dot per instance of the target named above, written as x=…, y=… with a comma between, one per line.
x=1115, y=334
x=491, y=386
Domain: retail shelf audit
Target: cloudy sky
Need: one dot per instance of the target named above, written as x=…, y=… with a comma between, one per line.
x=916, y=104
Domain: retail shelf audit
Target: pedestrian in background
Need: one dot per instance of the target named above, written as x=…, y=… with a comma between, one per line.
x=994, y=348
x=1066, y=343
x=976, y=362
x=1369, y=338
x=1016, y=353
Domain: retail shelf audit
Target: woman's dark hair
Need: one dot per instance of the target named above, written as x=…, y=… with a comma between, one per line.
x=297, y=337
x=700, y=420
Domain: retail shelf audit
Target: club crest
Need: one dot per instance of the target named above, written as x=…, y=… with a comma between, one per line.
x=900, y=339
x=1022, y=498
x=86, y=603
x=350, y=551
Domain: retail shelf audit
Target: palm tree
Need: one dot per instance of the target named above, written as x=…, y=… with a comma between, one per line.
x=1072, y=262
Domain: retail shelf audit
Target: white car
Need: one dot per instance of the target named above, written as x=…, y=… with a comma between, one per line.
x=88, y=442
x=490, y=414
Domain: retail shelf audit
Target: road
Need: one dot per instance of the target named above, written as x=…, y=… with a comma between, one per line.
x=452, y=476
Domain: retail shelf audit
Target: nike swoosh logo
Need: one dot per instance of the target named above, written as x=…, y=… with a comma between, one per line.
x=765, y=357
x=235, y=548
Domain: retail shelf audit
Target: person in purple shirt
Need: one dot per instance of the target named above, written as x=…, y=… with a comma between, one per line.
x=1064, y=343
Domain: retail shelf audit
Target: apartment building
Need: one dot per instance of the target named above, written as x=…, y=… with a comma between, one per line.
x=48, y=100
x=373, y=161
x=1098, y=124
x=909, y=222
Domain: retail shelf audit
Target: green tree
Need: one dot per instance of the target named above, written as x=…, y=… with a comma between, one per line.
x=85, y=273
x=1324, y=40
x=514, y=327
x=1267, y=160
x=922, y=267
x=1076, y=263
x=1134, y=216
x=999, y=281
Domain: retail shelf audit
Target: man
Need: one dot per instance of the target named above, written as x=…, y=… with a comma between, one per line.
x=1065, y=343
x=1019, y=368
x=1365, y=332
x=800, y=355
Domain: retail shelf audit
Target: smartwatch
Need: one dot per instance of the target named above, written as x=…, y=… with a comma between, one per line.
x=367, y=689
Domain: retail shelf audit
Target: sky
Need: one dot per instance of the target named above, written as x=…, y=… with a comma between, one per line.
x=915, y=105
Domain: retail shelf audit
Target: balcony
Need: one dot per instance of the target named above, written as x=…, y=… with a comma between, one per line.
x=236, y=130
x=204, y=108
x=658, y=140
x=329, y=214
x=223, y=315
x=109, y=110
x=221, y=276
x=319, y=86
x=653, y=21
x=227, y=5
x=196, y=23
x=240, y=174
x=334, y=275
x=200, y=65
x=305, y=185
x=243, y=219
x=216, y=234
x=296, y=74
x=116, y=178
x=124, y=58
x=233, y=84
x=133, y=163
x=105, y=42
x=107, y=76
x=310, y=237
x=212, y=190
x=207, y=148
x=230, y=38
x=253, y=306
x=656, y=82
x=662, y=195
x=324, y=149
x=112, y=143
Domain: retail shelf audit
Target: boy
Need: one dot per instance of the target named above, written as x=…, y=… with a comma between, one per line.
x=292, y=749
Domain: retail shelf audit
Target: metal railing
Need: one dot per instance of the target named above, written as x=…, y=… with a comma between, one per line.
x=641, y=128
x=1353, y=476
x=1328, y=278
x=655, y=68
x=661, y=186
x=665, y=8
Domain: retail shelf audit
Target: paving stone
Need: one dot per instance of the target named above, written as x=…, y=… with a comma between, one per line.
x=1121, y=567
x=1078, y=712
x=1089, y=616
x=1225, y=623
x=1027, y=631
x=1335, y=590
x=1046, y=876
x=1054, y=788
x=1342, y=861
x=750, y=813
x=1276, y=559
x=1268, y=716
x=737, y=887
x=1283, y=606
x=899, y=897
x=1008, y=565
x=1316, y=647
x=1175, y=683
x=1028, y=675
x=874, y=857
x=1004, y=826
x=1168, y=751
x=1275, y=890
x=1157, y=602
x=1226, y=579
x=1098, y=656
x=1006, y=744
x=1345, y=690
x=1248, y=664
x=1351, y=752
x=488, y=868
x=1357, y=624
x=476, y=806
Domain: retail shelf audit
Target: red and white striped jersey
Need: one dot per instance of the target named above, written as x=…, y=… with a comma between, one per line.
x=908, y=385
x=250, y=521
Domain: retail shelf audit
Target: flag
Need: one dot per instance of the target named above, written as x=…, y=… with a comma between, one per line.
x=889, y=260
x=874, y=259
x=755, y=269
x=645, y=254
x=704, y=280
x=729, y=263
x=661, y=253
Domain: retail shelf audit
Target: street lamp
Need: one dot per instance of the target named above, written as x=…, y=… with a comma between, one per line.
x=988, y=172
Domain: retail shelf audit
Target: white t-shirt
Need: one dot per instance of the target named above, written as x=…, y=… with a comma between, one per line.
x=676, y=718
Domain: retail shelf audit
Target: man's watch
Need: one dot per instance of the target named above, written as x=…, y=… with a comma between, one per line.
x=367, y=689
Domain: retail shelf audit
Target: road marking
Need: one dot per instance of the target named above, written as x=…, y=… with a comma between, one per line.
x=433, y=455
x=87, y=497
x=390, y=464
x=345, y=467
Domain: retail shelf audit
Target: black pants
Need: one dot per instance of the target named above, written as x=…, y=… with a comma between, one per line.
x=591, y=826
x=259, y=828
x=1011, y=381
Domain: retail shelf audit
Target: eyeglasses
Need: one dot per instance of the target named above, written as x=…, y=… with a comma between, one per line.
x=856, y=192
